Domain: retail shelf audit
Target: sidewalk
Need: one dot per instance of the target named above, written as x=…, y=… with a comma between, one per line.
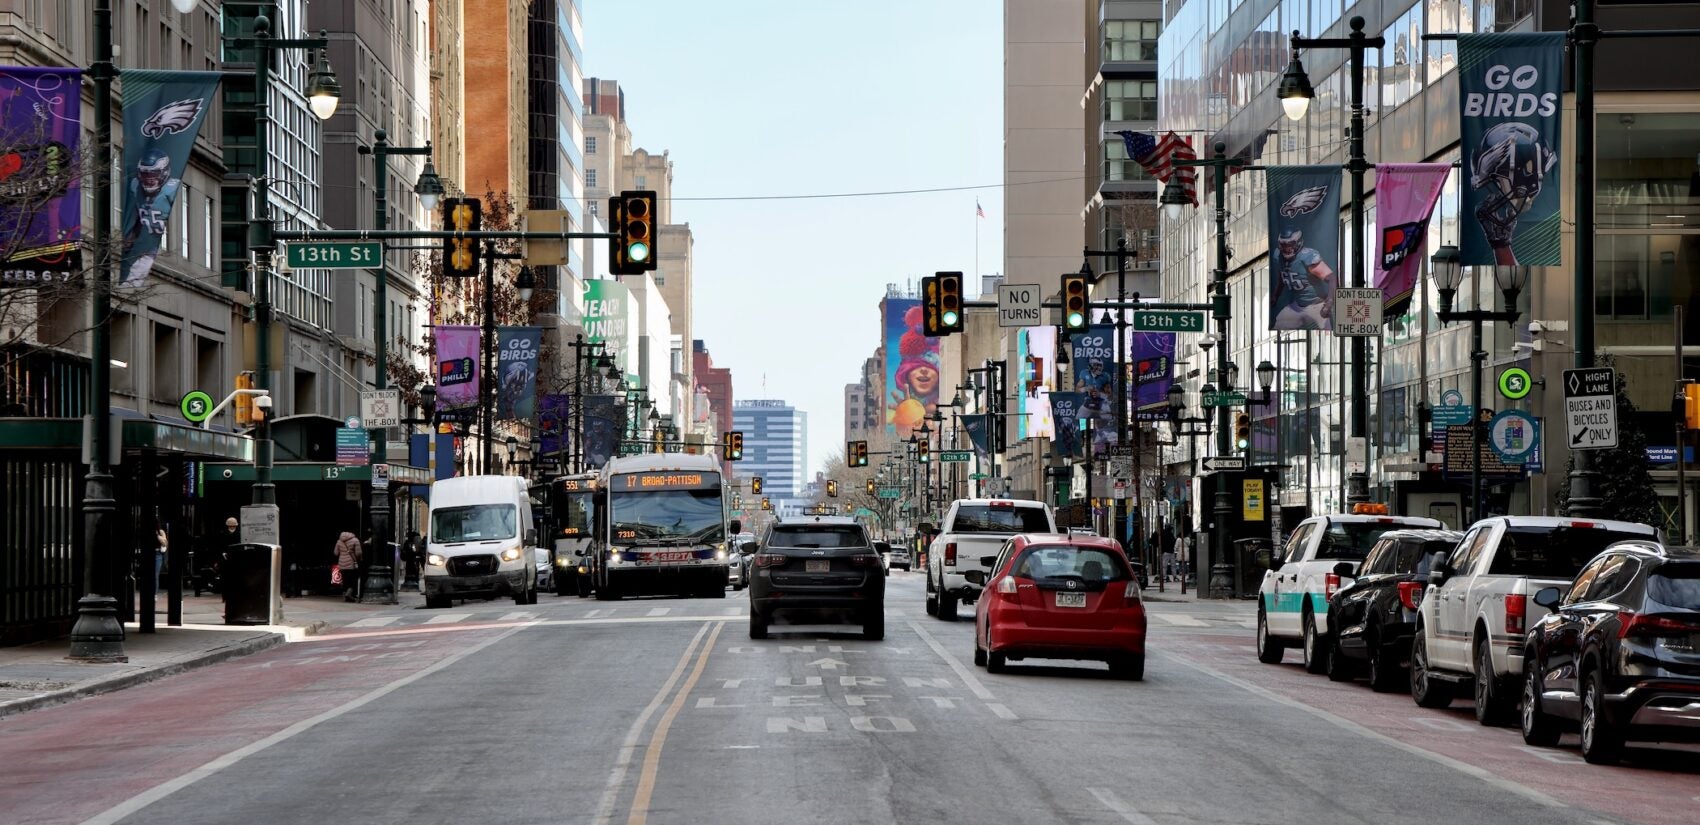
x=37, y=675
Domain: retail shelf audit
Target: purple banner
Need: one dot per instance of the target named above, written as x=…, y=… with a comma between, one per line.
x=604, y=423
x=1153, y=369
x=457, y=368
x=554, y=418
x=40, y=198
x=1405, y=195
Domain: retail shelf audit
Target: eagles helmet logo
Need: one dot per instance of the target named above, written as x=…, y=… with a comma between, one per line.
x=173, y=118
x=1304, y=201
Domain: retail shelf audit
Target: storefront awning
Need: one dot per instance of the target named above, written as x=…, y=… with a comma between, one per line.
x=316, y=471
x=134, y=434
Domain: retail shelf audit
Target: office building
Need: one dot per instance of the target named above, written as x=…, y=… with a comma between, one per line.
x=775, y=447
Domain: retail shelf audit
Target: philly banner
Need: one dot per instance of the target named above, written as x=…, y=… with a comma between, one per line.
x=1509, y=90
x=1304, y=246
x=1153, y=370
x=40, y=199
x=457, y=369
x=1405, y=195
x=1065, y=408
x=162, y=113
x=516, y=371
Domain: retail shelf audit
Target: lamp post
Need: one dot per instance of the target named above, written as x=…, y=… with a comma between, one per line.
x=1122, y=253
x=1448, y=275
x=596, y=354
x=1295, y=93
x=1190, y=426
x=526, y=284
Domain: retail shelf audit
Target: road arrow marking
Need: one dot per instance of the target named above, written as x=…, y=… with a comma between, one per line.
x=828, y=664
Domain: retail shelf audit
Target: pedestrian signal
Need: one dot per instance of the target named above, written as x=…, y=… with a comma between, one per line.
x=766, y=504
x=633, y=219
x=245, y=416
x=932, y=325
x=1691, y=405
x=1077, y=304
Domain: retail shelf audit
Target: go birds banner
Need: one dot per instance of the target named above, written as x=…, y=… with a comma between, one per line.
x=1405, y=195
x=1094, y=378
x=1065, y=407
x=1304, y=245
x=516, y=370
x=163, y=112
x=457, y=369
x=40, y=199
x=1509, y=89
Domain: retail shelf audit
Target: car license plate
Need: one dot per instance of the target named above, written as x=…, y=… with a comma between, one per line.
x=1071, y=600
x=817, y=566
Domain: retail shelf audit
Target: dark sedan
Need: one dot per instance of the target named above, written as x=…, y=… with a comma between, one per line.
x=817, y=564
x=1373, y=620
x=1619, y=655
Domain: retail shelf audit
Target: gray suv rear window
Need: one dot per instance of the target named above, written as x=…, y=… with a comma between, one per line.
x=982, y=518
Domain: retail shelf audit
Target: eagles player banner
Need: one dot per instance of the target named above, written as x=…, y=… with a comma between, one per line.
x=1509, y=89
x=1065, y=408
x=1304, y=245
x=1405, y=195
x=162, y=113
x=1094, y=378
x=40, y=200
x=516, y=371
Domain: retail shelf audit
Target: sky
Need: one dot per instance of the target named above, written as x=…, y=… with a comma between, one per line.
x=761, y=98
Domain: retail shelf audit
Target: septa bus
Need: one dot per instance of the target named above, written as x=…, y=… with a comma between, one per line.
x=568, y=507
x=660, y=527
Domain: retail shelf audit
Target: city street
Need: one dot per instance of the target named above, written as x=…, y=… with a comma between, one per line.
x=664, y=711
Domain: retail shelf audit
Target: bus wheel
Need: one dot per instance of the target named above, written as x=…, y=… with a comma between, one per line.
x=607, y=593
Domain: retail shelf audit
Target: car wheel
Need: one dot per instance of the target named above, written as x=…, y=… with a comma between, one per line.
x=873, y=622
x=758, y=624
x=932, y=597
x=1130, y=667
x=1269, y=651
x=947, y=607
x=979, y=652
x=607, y=593
x=1340, y=668
x=1539, y=728
x=1315, y=654
x=564, y=587
x=1492, y=709
x=437, y=602
x=1425, y=690
x=1602, y=742
x=1383, y=669
x=996, y=662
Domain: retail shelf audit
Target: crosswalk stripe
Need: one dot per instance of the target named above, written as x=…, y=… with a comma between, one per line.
x=448, y=618
x=517, y=615
x=1179, y=620
x=598, y=613
x=660, y=611
x=733, y=612
x=375, y=621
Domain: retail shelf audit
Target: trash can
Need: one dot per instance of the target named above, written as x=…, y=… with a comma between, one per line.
x=251, y=580
x=1248, y=573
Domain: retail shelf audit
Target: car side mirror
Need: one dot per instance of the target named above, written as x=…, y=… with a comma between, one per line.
x=927, y=529
x=531, y=537
x=736, y=527
x=747, y=548
x=1439, y=572
x=581, y=553
x=1264, y=559
x=975, y=577
x=1547, y=597
x=988, y=561
x=1345, y=570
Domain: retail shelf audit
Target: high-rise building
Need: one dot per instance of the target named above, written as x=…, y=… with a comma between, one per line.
x=448, y=91
x=775, y=446
x=862, y=403
x=1042, y=157
x=1121, y=95
x=714, y=386
x=497, y=100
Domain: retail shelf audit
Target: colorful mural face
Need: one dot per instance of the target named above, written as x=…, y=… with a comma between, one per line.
x=911, y=368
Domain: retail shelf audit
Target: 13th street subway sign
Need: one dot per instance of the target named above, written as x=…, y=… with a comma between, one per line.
x=1514, y=383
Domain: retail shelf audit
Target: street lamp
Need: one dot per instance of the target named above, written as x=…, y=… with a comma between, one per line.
x=323, y=92
x=1295, y=91
x=1448, y=275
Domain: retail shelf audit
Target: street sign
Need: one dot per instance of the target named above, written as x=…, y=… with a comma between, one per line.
x=1018, y=305
x=955, y=456
x=978, y=477
x=1514, y=436
x=1357, y=312
x=380, y=476
x=1448, y=415
x=1223, y=463
x=1167, y=320
x=1590, y=408
x=196, y=406
x=333, y=254
x=1120, y=490
x=889, y=492
x=353, y=447
x=380, y=408
x=260, y=524
x=1224, y=399
x=1121, y=449
x=351, y=423
x=1515, y=383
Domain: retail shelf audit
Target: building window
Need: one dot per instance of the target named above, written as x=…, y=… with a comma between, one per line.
x=590, y=144
x=1130, y=100
x=1648, y=200
x=590, y=174
x=642, y=182
x=1118, y=166
x=1131, y=39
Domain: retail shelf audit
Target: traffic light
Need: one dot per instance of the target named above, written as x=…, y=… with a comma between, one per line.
x=856, y=453
x=735, y=446
x=922, y=450
x=245, y=402
x=766, y=504
x=460, y=255
x=950, y=302
x=755, y=486
x=1242, y=429
x=832, y=489
x=632, y=215
x=1077, y=304
x=870, y=486
x=932, y=325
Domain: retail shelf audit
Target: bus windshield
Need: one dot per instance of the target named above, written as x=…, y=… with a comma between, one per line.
x=476, y=522
x=574, y=513
x=668, y=517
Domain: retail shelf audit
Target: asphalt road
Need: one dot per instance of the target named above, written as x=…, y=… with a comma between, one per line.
x=664, y=711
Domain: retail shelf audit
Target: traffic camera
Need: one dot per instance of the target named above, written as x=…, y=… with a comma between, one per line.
x=1077, y=303
x=632, y=217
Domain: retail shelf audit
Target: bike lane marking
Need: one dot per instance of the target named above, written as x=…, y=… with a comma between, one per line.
x=628, y=748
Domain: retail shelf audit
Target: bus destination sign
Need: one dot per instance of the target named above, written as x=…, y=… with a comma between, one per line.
x=667, y=481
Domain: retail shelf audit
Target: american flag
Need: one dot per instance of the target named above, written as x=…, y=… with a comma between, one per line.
x=978, y=210
x=1156, y=156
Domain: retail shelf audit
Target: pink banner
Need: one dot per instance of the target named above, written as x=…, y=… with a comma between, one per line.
x=457, y=367
x=1405, y=195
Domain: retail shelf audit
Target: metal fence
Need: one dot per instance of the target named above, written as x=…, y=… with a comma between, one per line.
x=39, y=536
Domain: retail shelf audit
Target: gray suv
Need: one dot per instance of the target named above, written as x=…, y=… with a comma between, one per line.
x=817, y=563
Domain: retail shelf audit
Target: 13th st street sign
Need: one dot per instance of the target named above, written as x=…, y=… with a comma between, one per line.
x=333, y=254
x=1590, y=408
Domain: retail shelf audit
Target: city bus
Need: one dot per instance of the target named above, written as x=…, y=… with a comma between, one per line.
x=568, y=504
x=661, y=527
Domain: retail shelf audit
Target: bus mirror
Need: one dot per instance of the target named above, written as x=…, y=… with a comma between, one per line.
x=581, y=553
x=531, y=537
x=747, y=548
x=735, y=527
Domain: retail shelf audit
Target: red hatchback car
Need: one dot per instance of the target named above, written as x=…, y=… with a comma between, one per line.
x=1060, y=597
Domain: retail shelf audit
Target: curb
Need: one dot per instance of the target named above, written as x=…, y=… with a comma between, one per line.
x=125, y=680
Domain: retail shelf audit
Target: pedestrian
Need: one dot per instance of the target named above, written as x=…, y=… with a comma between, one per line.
x=215, y=546
x=348, y=552
x=413, y=553
x=161, y=544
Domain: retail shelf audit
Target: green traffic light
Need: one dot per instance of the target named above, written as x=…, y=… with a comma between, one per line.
x=950, y=319
x=1076, y=319
x=637, y=251
x=1243, y=443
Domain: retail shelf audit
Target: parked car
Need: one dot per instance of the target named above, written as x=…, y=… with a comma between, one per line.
x=1373, y=619
x=817, y=563
x=545, y=571
x=884, y=549
x=974, y=528
x=1059, y=597
x=1473, y=619
x=899, y=557
x=1619, y=655
x=1319, y=558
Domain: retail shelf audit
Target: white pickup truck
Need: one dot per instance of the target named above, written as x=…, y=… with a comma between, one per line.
x=974, y=529
x=1480, y=604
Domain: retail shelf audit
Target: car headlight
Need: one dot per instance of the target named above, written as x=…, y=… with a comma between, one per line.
x=563, y=562
x=720, y=554
x=511, y=554
x=434, y=560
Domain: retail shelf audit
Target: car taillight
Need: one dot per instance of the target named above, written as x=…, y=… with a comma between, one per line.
x=770, y=560
x=1006, y=586
x=950, y=554
x=1410, y=594
x=1330, y=583
x=1130, y=595
x=1516, y=607
x=1635, y=624
x=863, y=561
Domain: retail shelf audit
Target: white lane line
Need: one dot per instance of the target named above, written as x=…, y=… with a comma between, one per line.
x=1001, y=710
x=962, y=672
x=660, y=611
x=375, y=621
x=628, y=748
x=733, y=612
x=1178, y=620
x=1339, y=721
x=448, y=618
x=1109, y=800
x=516, y=616
x=599, y=613
x=136, y=803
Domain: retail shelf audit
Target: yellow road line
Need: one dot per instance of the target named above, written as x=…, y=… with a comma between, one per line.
x=657, y=740
x=617, y=777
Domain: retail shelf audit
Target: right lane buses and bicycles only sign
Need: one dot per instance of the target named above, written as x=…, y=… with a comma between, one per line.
x=1590, y=408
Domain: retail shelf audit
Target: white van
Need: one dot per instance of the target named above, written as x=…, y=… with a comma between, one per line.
x=481, y=541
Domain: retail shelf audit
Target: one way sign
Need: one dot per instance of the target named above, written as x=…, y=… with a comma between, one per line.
x=1590, y=408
